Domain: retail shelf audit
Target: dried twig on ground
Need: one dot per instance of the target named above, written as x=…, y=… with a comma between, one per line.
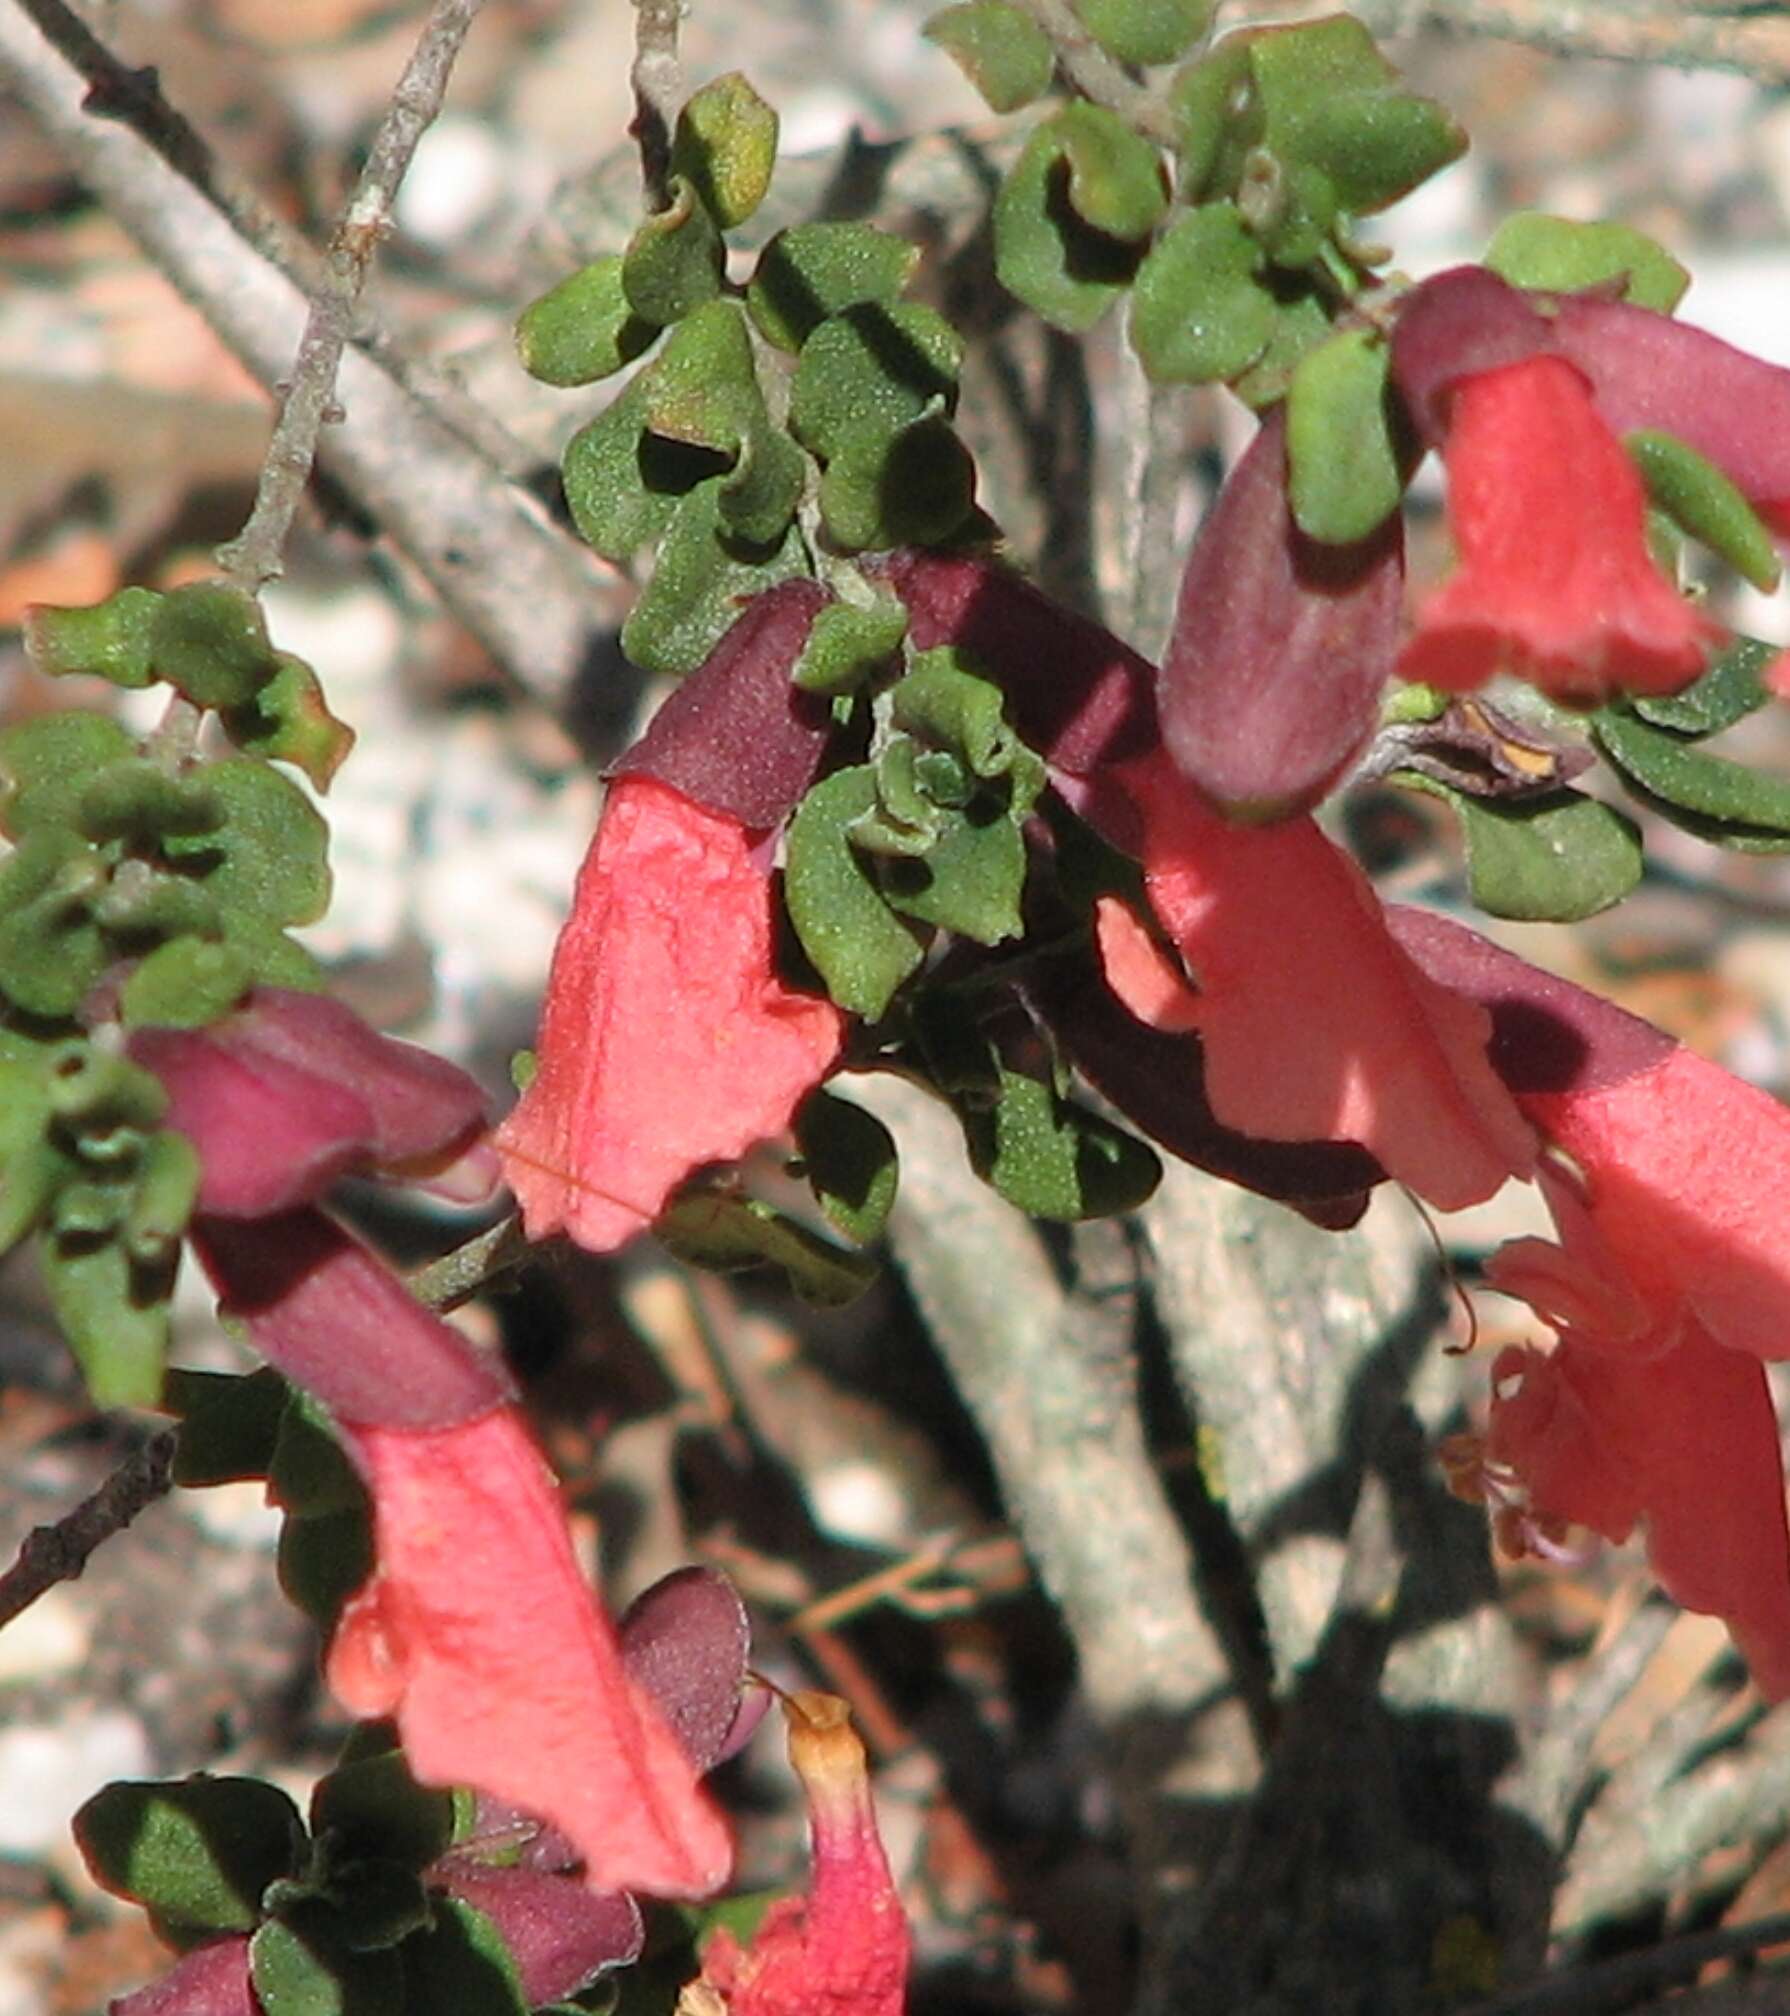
x=58, y=1553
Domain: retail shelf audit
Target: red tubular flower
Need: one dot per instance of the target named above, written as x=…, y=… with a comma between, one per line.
x=211, y=1980
x=843, y=1950
x=1555, y=581
x=667, y=1040
x=1315, y=1025
x=478, y=1631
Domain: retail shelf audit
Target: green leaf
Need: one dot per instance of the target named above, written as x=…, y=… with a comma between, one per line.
x=1334, y=104
x=1730, y=690
x=114, y=1314
x=93, y=1090
x=146, y=910
x=1146, y=31
x=1702, y=501
x=1054, y=1159
x=702, y=574
x=196, y=1852
x=714, y=1228
x=872, y=369
x=849, y=645
x=969, y=880
x=725, y=147
x=228, y=1423
x=1301, y=323
x=674, y=262
x=1046, y=253
x=462, y=1966
x=188, y=983
x=324, y=1560
x=758, y=501
x=1343, y=475
x=289, y=721
x=850, y=1162
x=311, y=1473
x=110, y=640
x=297, y=1974
x=46, y=763
x=860, y=948
x=1680, y=778
x=136, y=801
x=1219, y=118
x=702, y=389
x=914, y=487
x=162, y=1199
x=375, y=1808
x=583, y=329
x=51, y=950
x=209, y=639
x=1004, y=53
x=270, y=856
x=1559, y=255
x=812, y=271
x=1548, y=859
x=622, y=483
x=31, y=1167
x=948, y=705
x=1115, y=176
x=274, y=958
x=1199, y=312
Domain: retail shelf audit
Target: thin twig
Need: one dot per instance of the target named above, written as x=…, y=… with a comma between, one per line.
x=1094, y=73
x=254, y=555
x=1613, y=1984
x=58, y=1553
x=658, y=93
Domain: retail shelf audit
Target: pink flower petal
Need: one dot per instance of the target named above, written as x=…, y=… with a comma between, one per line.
x=667, y=1040
x=478, y=1631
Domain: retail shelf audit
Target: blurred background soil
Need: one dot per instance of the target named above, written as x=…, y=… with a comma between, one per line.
x=825, y=1462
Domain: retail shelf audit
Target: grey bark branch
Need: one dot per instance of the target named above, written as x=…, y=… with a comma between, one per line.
x=58, y=1553
x=306, y=398
x=658, y=85
x=535, y=599
x=1687, y=37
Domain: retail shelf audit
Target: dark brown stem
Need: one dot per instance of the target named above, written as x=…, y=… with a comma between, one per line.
x=58, y=1553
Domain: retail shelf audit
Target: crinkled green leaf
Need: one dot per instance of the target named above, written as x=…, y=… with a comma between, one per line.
x=1116, y=182
x=857, y=944
x=1548, y=859
x=209, y=638
x=195, y=1852
x=849, y=644
x=462, y=1966
x=109, y=640
x=1343, y=475
x=299, y=1973
x=94, y=1089
x=32, y=1168
x=188, y=983
x=1046, y=254
x=311, y=1473
x=1560, y=255
x=913, y=487
x=812, y=271
x=270, y=856
x=1004, y=53
x=850, y=1161
x=725, y=147
x=969, y=881
x=1219, y=118
x=702, y=389
x=1680, y=778
x=759, y=499
x=1701, y=501
x=873, y=368
x=1054, y=1159
x=674, y=261
x=275, y=958
x=904, y=821
x=89, y=1210
x=1730, y=690
x=1199, y=311
x=46, y=763
x=1146, y=31
x=374, y=1807
x=948, y=705
x=324, y=1559
x=145, y=910
x=113, y=1313
x=289, y=721
x=622, y=483
x=716, y=1228
x=702, y=574
x=162, y=1199
x=1291, y=208
x=137, y=801
x=1333, y=103
x=583, y=329
x=1301, y=323
x=228, y=1423
x=51, y=949
x=353, y=1904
